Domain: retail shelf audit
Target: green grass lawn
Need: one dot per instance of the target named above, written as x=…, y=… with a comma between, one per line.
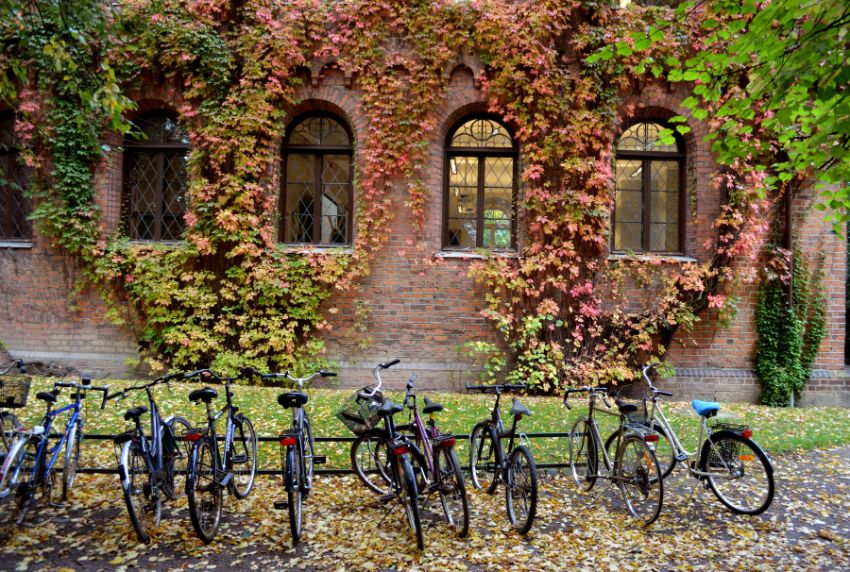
x=777, y=430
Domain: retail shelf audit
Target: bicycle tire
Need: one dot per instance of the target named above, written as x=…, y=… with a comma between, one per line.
x=639, y=478
x=370, y=459
x=171, y=482
x=13, y=465
x=72, y=458
x=243, y=451
x=521, y=489
x=28, y=479
x=409, y=498
x=204, y=493
x=9, y=424
x=451, y=487
x=664, y=451
x=144, y=505
x=730, y=447
x=584, y=457
x=293, y=492
x=485, y=457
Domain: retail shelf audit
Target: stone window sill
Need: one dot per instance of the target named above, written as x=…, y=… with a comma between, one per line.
x=16, y=244
x=317, y=249
x=649, y=257
x=474, y=255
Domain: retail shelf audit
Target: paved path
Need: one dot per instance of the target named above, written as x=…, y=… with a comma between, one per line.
x=807, y=528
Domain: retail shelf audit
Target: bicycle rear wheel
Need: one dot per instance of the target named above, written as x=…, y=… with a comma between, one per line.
x=309, y=453
x=639, y=478
x=27, y=479
x=409, y=498
x=176, y=460
x=452, y=490
x=243, y=457
x=9, y=424
x=742, y=476
x=293, y=492
x=72, y=458
x=664, y=451
x=521, y=489
x=485, y=456
x=584, y=458
x=370, y=461
x=144, y=504
x=205, y=494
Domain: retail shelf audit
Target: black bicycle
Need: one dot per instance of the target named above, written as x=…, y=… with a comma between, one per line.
x=211, y=470
x=362, y=413
x=148, y=466
x=298, y=448
x=489, y=464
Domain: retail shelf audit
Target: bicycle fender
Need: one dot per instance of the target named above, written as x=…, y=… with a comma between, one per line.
x=123, y=474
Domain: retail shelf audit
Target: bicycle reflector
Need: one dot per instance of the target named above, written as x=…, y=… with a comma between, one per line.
x=747, y=433
x=450, y=442
x=650, y=438
x=401, y=449
x=288, y=441
x=191, y=437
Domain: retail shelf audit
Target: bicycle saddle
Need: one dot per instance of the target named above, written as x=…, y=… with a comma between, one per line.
x=518, y=408
x=705, y=408
x=625, y=408
x=292, y=399
x=46, y=396
x=431, y=406
x=135, y=412
x=390, y=408
x=205, y=394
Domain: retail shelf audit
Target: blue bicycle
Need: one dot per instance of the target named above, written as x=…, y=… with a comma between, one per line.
x=31, y=462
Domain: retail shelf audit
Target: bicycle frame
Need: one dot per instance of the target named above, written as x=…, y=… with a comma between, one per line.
x=43, y=446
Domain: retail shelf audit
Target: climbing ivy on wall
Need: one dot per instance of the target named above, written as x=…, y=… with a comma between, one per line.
x=230, y=294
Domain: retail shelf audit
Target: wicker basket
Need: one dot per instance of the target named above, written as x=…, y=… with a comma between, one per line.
x=360, y=414
x=627, y=395
x=14, y=391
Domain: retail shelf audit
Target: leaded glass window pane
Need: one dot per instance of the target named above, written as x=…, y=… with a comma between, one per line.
x=15, y=206
x=482, y=133
x=644, y=137
x=463, y=202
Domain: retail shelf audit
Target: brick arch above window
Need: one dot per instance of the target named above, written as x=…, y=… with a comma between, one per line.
x=649, y=194
x=155, y=178
x=316, y=192
x=15, y=206
x=480, y=183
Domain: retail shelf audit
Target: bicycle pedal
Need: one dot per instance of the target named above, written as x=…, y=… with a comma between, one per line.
x=226, y=480
x=386, y=498
x=681, y=458
x=281, y=505
x=319, y=459
x=243, y=458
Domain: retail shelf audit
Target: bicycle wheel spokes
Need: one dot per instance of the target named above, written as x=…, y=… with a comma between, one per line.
x=205, y=494
x=370, y=461
x=244, y=457
x=639, y=479
x=409, y=498
x=483, y=458
x=583, y=455
x=72, y=459
x=452, y=490
x=741, y=475
x=24, y=479
x=176, y=460
x=144, y=504
x=521, y=493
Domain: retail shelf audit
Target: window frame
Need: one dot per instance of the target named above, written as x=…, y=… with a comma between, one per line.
x=9, y=164
x=646, y=158
x=481, y=154
x=317, y=152
x=159, y=149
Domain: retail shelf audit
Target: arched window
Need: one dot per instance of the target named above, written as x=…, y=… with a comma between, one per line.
x=155, y=197
x=14, y=206
x=648, y=196
x=316, y=190
x=481, y=163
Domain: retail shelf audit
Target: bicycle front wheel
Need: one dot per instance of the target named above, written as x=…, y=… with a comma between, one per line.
x=584, y=458
x=294, y=472
x=204, y=492
x=27, y=478
x=452, y=490
x=72, y=458
x=175, y=458
x=521, y=489
x=9, y=425
x=639, y=478
x=243, y=457
x=409, y=498
x=741, y=474
x=664, y=450
x=144, y=505
x=370, y=461
x=484, y=457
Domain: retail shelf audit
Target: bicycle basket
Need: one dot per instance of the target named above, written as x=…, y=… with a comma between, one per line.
x=632, y=403
x=14, y=391
x=360, y=414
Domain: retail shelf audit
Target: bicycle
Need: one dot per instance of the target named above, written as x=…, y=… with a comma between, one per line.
x=729, y=462
x=30, y=463
x=434, y=460
x=13, y=395
x=362, y=413
x=516, y=469
x=298, y=448
x=211, y=470
x=634, y=469
x=147, y=466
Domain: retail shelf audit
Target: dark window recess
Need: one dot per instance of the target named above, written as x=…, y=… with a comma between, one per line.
x=15, y=206
x=480, y=186
x=155, y=180
x=316, y=189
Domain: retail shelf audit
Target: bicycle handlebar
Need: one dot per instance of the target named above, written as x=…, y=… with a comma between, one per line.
x=102, y=388
x=644, y=371
x=389, y=364
x=498, y=387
